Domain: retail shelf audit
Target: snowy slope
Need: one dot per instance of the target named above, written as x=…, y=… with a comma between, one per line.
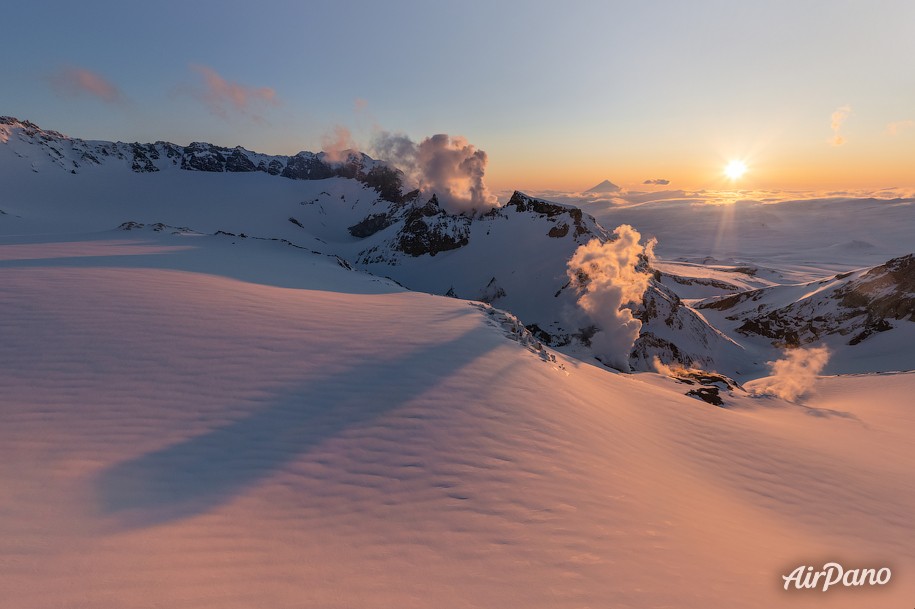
x=200, y=421
x=203, y=405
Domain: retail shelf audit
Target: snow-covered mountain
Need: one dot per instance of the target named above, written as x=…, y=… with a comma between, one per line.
x=514, y=256
x=855, y=305
x=207, y=402
x=45, y=148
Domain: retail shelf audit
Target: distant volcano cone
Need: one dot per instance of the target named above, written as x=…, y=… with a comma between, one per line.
x=605, y=186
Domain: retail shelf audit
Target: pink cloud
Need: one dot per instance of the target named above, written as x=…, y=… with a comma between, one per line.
x=73, y=81
x=224, y=96
x=359, y=105
x=838, y=118
x=895, y=128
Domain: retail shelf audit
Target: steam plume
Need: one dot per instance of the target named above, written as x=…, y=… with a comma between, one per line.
x=794, y=374
x=336, y=143
x=449, y=167
x=608, y=279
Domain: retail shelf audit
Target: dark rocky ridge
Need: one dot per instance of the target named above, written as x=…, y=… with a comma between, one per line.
x=71, y=153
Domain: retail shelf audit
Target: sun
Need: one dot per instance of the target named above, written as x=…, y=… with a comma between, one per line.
x=735, y=169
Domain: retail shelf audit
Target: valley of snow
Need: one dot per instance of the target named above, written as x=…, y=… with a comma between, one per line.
x=194, y=418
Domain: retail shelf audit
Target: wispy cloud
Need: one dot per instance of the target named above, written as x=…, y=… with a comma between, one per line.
x=895, y=128
x=657, y=182
x=839, y=116
x=225, y=98
x=74, y=81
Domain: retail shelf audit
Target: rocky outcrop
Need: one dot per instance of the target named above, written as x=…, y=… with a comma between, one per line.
x=428, y=229
x=857, y=305
x=559, y=216
x=492, y=292
x=306, y=166
x=200, y=156
x=371, y=224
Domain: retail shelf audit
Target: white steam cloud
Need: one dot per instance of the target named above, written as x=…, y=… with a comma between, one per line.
x=449, y=167
x=794, y=374
x=608, y=279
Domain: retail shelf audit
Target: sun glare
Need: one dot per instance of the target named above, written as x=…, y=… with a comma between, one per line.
x=735, y=169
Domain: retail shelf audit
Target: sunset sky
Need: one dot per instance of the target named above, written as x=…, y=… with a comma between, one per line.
x=811, y=95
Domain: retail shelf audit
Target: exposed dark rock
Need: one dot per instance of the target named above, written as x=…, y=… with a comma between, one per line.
x=306, y=166
x=370, y=225
x=723, y=304
x=200, y=156
x=143, y=158
x=238, y=161
x=429, y=230
x=862, y=306
x=540, y=334
x=878, y=325
x=707, y=394
x=648, y=345
x=706, y=281
x=520, y=202
x=386, y=181
x=746, y=270
x=559, y=231
x=884, y=291
x=492, y=292
x=90, y=158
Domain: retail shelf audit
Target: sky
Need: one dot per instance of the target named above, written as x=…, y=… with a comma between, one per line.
x=809, y=94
